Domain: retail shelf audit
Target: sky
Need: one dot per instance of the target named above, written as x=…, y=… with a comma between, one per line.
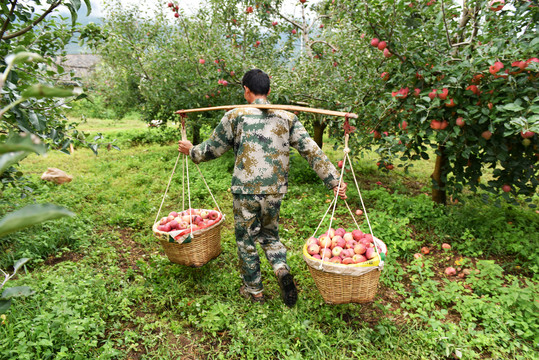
x=189, y=6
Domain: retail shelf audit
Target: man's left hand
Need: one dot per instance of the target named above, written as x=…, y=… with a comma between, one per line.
x=340, y=191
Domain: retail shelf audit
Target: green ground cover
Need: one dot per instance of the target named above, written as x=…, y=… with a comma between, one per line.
x=106, y=290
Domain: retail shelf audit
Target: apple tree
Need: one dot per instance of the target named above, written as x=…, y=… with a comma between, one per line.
x=459, y=80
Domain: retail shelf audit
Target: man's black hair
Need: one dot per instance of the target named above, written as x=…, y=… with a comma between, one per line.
x=257, y=81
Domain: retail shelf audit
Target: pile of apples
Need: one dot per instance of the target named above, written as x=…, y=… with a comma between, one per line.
x=195, y=219
x=342, y=247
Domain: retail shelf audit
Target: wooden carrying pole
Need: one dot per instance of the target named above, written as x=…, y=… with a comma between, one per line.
x=272, y=107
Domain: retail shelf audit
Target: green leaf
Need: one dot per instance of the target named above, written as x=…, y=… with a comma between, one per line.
x=17, y=291
x=22, y=143
x=9, y=159
x=513, y=107
x=20, y=263
x=88, y=6
x=40, y=91
x=4, y=306
x=23, y=57
x=31, y=215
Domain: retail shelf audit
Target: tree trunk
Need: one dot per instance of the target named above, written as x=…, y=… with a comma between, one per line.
x=196, y=134
x=319, y=127
x=438, y=188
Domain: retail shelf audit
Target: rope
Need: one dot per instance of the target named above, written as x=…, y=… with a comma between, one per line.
x=166, y=190
x=346, y=159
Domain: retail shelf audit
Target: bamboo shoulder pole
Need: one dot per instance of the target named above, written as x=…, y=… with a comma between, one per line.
x=272, y=107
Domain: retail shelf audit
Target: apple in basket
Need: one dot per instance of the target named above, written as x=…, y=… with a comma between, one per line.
x=313, y=249
x=213, y=215
x=203, y=214
x=338, y=241
x=325, y=253
x=348, y=236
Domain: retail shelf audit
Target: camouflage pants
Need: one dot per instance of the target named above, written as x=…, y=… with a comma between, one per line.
x=256, y=219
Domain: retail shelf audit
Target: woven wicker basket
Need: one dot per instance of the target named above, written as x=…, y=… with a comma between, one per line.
x=205, y=245
x=343, y=289
x=342, y=284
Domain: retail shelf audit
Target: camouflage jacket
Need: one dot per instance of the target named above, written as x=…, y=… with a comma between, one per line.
x=261, y=140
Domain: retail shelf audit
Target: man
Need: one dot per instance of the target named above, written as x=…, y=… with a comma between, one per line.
x=261, y=140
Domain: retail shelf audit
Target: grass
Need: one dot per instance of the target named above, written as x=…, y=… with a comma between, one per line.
x=105, y=289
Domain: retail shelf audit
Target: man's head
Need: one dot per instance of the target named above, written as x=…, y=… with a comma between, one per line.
x=257, y=83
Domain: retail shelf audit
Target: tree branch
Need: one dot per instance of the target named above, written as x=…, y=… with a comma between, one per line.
x=445, y=26
x=7, y=21
x=311, y=43
x=35, y=22
x=296, y=24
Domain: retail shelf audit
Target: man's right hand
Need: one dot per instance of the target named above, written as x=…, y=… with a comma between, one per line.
x=184, y=146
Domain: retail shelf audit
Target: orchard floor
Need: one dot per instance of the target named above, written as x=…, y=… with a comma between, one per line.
x=106, y=290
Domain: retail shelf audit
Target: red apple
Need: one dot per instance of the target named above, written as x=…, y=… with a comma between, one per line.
x=382, y=45
x=359, y=258
x=527, y=134
x=506, y=188
x=387, y=53
x=317, y=256
x=313, y=249
x=176, y=15
x=294, y=31
x=425, y=250
x=312, y=240
x=360, y=249
x=348, y=261
x=385, y=76
x=170, y=4
x=303, y=1
x=450, y=271
x=321, y=26
x=486, y=134
x=496, y=5
x=446, y=246
x=213, y=215
x=357, y=234
x=350, y=244
x=417, y=256
x=335, y=259
x=368, y=238
x=274, y=23
x=249, y=9
x=435, y=124
x=450, y=104
x=324, y=241
x=417, y=91
x=340, y=232
x=433, y=94
x=443, y=94
x=325, y=253
x=338, y=241
x=403, y=125
x=370, y=253
x=348, y=237
x=375, y=42
x=359, y=212
x=460, y=122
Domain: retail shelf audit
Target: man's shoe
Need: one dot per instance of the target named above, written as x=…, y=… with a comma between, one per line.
x=256, y=298
x=289, y=293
